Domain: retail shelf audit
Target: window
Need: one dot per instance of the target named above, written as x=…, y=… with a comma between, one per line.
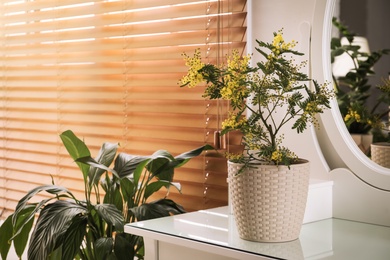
x=109, y=71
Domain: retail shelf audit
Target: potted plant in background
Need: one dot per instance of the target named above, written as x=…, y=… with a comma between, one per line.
x=268, y=183
x=380, y=153
x=353, y=89
x=92, y=227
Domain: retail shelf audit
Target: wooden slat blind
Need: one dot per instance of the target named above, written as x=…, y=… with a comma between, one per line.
x=109, y=71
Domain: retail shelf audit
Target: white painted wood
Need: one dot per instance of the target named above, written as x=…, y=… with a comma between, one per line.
x=355, y=200
x=319, y=201
x=180, y=253
x=152, y=245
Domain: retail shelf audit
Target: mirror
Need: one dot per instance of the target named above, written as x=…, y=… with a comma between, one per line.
x=362, y=94
x=337, y=144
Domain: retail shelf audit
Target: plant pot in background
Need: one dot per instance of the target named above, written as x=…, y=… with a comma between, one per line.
x=380, y=154
x=269, y=201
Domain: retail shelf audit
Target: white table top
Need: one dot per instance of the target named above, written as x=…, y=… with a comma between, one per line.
x=327, y=239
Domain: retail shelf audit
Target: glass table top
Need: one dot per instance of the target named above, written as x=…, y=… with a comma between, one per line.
x=334, y=239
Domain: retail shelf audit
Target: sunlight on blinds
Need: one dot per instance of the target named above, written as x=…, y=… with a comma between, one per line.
x=109, y=71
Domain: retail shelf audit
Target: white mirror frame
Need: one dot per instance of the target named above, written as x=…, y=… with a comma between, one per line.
x=336, y=142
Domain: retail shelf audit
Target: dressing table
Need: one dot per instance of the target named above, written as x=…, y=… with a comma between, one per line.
x=212, y=235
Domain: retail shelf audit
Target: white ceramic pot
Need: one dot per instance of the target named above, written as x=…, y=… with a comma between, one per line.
x=380, y=154
x=269, y=201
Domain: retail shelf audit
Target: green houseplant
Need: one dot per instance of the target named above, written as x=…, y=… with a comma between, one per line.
x=353, y=89
x=262, y=90
x=92, y=228
x=266, y=179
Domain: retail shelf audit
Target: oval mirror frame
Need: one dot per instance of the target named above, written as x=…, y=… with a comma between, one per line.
x=335, y=140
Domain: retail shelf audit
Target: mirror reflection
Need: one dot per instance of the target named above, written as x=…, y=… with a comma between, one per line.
x=361, y=77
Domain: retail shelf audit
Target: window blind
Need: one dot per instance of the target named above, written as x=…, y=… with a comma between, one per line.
x=109, y=71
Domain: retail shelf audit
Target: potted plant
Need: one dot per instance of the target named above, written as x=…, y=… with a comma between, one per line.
x=380, y=153
x=92, y=228
x=353, y=89
x=264, y=99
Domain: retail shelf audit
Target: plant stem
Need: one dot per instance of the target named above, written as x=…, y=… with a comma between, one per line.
x=141, y=189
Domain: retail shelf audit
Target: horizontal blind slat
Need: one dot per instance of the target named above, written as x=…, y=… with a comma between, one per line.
x=110, y=71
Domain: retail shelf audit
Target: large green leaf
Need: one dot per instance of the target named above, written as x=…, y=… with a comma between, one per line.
x=162, y=163
x=52, y=189
x=138, y=172
x=20, y=241
x=88, y=160
x=53, y=222
x=106, y=157
x=56, y=254
x=157, y=209
x=157, y=185
x=76, y=149
x=74, y=236
x=114, y=196
x=167, y=172
x=19, y=222
x=183, y=158
x=111, y=256
x=75, y=146
x=104, y=183
x=6, y=231
x=111, y=215
x=123, y=248
x=125, y=164
x=161, y=167
x=103, y=247
x=127, y=188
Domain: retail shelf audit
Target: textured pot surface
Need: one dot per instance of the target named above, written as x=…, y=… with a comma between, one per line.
x=269, y=201
x=380, y=154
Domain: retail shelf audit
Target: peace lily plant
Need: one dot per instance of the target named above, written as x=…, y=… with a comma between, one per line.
x=92, y=227
x=264, y=98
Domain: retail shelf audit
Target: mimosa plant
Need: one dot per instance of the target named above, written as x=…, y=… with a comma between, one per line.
x=353, y=89
x=264, y=98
